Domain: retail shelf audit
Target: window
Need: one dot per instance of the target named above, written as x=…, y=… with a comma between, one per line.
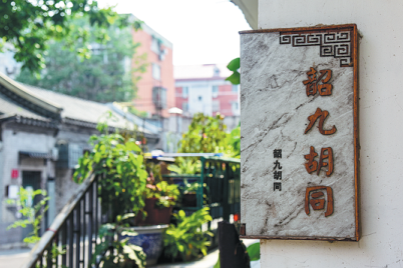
x=156, y=71
x=160, y=97
x=234, y=106
x=216, y=106
x=185, y=106
x=185, y=92
x=235, y=88
x=155, y=45
x=215, y=91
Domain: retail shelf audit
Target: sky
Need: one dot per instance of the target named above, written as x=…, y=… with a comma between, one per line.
x=202, y=31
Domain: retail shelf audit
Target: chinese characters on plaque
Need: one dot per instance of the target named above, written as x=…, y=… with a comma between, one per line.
x=277, y=175
x=317, y=198
x=299, y=134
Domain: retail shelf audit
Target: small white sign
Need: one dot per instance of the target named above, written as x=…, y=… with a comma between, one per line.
x=13, y=191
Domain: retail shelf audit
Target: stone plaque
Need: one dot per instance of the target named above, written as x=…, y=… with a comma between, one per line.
x=299, y=140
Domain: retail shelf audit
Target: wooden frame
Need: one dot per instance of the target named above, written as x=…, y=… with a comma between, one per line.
x=354, y=63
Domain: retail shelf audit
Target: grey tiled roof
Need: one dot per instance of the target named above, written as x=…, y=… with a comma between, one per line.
x=80, y=109
x=17, y=99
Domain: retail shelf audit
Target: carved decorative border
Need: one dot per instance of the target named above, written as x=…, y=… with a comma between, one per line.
x=331, y=44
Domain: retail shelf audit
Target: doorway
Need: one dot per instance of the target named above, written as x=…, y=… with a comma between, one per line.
x=31, y=181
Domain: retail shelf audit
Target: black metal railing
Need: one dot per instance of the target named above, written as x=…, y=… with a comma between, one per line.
x=71, y=239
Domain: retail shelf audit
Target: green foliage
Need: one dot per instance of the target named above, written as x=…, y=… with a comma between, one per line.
x=167, y=194
x=102, y=77
x=206, y=134
x=136, y=112
x=187, y=240
x=30, y=25
x=235, y=142
x=33, y=215
x=190, y=187
x=235, y=77
x=253, y=252
x=185, y=166
x=50, y=260
x=124, y=177
x=122, y=254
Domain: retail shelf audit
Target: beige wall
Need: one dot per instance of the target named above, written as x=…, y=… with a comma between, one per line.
x=147, y=82
x=381, y=128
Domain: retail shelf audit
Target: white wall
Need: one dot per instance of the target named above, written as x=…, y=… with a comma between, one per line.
x=381, y=132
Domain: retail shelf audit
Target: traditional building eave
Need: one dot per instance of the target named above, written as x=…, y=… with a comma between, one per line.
x=18, y=93
x=30, y=121
x=250, y=11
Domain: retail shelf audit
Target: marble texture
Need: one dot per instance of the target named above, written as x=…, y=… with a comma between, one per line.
x=274, y=115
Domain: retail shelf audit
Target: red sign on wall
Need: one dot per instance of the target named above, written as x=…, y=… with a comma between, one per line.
x=14, y=173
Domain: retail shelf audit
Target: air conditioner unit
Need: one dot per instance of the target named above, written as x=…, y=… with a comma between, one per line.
x=69, y=153
x=160, y=98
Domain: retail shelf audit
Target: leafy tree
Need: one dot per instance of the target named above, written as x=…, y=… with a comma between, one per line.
x=206, y=134
x=29, y=25
x=103, y=77
x=235, y=142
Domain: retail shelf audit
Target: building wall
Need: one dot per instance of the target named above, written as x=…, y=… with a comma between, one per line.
x=15, y=140
x=65, y=186
x=228, y=99
x=225, y=97
x=145, y=85
x=380, y=110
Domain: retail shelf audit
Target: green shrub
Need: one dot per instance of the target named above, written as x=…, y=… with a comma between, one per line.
x=121, y=253
x=32, y=214
x=167, y=194
x=120, y=162
x=187, y=240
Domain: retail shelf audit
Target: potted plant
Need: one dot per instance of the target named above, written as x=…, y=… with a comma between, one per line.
x=152, y=223
x=119, y=162
x=127, y=187
x=189, y=197
x=159, y=202
x=124, y=254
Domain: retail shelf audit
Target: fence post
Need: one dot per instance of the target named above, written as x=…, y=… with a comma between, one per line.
x=232, y=251
x=225, y=203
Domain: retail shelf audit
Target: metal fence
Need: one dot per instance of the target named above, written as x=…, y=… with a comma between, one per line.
x=71, y=239
x=220, y=178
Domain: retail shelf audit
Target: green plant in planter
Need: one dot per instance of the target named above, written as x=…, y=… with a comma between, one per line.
x=187, y=239
x=190, y=187
x=185, y=166
x=121, y=253
x=167, y=194
x=120, y=163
